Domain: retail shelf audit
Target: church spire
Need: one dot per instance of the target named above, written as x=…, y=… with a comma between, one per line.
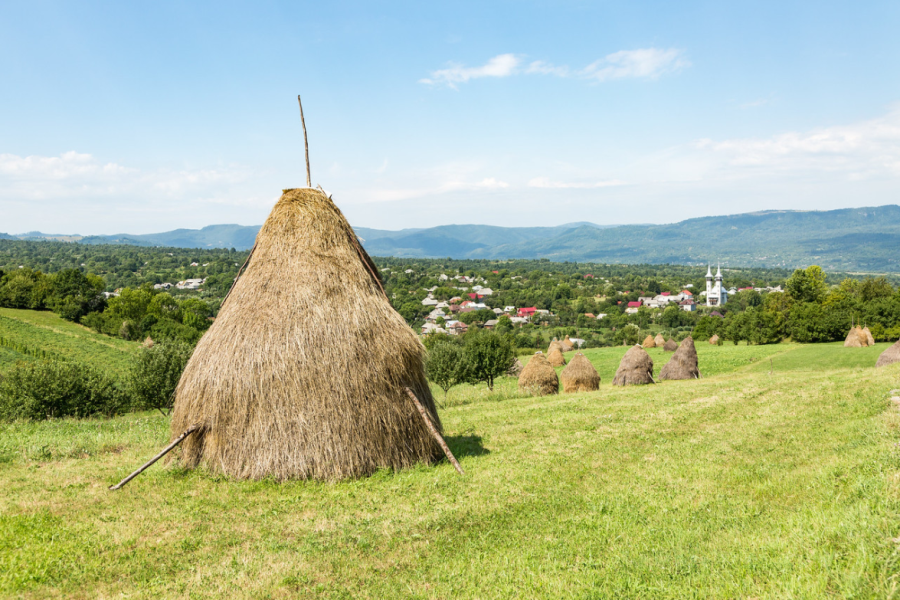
x=719, y=272
x=708, y=271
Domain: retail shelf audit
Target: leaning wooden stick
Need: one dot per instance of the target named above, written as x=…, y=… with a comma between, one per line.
x=434, y=432
x=305, y=143
x=165, y=451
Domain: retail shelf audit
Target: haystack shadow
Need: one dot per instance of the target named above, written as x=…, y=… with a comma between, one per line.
x=466, y=445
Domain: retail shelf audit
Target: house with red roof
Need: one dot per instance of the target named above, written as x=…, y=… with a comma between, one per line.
x=526, y=312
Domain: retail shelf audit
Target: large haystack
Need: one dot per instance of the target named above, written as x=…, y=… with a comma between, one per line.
x=649, y=342
x=302, y=374
x=856, y=338
x=670, y=346
x=555, y=357
x=538, y=377
x=889, y=356
x=714, y=340
x=580, y=375
x=636, y=368
x=659, y=340
x=683, y=364
x=567, y=345
x=870, y=341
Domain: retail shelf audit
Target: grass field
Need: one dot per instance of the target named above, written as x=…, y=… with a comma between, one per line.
x=48, y=332
x=739, y=485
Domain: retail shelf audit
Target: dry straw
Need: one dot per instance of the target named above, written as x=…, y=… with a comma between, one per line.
x=567, y=345
x=889, y=356
x=555, y=357
x=538, y=377
x=649, y=342
x=856, y=338
x=683, y=364
x=868, y=335
x=670, y=346
x=302, y=374
x=636, y=368
x=714, y=340
x=659, y=340
x=580, y=375
x=555, y=344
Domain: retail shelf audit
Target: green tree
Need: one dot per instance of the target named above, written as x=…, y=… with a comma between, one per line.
x=447, y=365
x=155, y=374
x=807, y=285
x=490, y=355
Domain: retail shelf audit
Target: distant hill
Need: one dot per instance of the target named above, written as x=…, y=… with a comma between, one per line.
x=854, y=239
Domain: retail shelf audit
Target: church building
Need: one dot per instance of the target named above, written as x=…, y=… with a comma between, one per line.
x=715, y=293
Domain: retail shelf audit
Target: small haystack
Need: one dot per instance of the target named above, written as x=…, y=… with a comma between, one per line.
x=580, y=375
x=555, y=344
x=555, y=357
x=538, y=377
x=868, y=334
x=302, y=374
x=856, y=338
x=714, y=340
x=889, y=356
x=683, y=364
x=148, y=343
x=649, y=342
x=659, y=340
x=670, y=346
x=636, y=368
x=515, y=369
x=567, y=345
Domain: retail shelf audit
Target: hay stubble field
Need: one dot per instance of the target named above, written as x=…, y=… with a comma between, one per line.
x=743, y=484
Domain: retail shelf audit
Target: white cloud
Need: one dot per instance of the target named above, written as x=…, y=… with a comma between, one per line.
x=544, y=182
x=502, y=65
x=643, y=63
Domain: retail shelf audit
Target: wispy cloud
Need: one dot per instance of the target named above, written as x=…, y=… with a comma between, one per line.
x=502, y=65
x=643, y=63
x=544, y=182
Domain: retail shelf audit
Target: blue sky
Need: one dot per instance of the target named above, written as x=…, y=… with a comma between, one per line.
x=144, y=117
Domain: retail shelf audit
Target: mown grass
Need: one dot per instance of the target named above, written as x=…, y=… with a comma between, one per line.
x=48, y=332
x=738, y=485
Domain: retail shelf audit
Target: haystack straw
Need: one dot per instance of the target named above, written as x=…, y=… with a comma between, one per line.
x=869, y=339
x=636, y=368
x=567, y=345
x=580, y=375
x=555, y=344
x=889, y=356
x=670, y=346
x=683, y=364
x=649, y=342
x=714, y=340
x=659, y=340
x=538, y=377
x=302, y=374
x=515, y=369
x=555, y=357
x=148, y=343
x=856, y=338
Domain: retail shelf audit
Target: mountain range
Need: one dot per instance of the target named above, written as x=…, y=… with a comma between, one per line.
x=853, y=239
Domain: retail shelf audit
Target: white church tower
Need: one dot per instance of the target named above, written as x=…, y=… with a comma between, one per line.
x=715, y=293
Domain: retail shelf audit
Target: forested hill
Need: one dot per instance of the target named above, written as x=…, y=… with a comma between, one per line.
x=857, y=239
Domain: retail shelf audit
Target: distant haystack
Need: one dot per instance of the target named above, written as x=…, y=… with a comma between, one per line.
x=580, y=375
x=714, y=340
x=538, y=377
x=649, y=342
x=302, y=374
x=636, y=368
x=683, y=364
x=556, y=358
x=869, y=339
x=659, y=340
x=670, y=346
x=567, y=345
x=856, y=338
x=515, y=369
x=148, y=343
x=555, y=344
x=889, y=356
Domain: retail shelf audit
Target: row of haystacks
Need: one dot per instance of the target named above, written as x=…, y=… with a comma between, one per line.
x=659, y=342
x=859, y=337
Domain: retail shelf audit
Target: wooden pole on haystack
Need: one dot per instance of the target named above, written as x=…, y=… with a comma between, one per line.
x=434, y=432
x=162, y=453
x=305, y=142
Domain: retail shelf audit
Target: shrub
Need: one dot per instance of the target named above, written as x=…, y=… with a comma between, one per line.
x=52, y=389
x=447, y=365
x=155, y=375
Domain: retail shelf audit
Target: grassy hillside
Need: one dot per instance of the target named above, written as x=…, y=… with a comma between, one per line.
x=741, y=484
x=36, y=330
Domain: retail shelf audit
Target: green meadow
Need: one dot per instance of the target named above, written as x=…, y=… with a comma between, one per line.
x=776, y=475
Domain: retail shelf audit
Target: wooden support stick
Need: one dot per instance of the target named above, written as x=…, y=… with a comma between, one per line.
x=165, y=451
x=434, y=432
x=305, y=143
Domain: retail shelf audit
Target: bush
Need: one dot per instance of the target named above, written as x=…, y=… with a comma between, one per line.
x=155, y=375
x=447, y=365
x=52, y=389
